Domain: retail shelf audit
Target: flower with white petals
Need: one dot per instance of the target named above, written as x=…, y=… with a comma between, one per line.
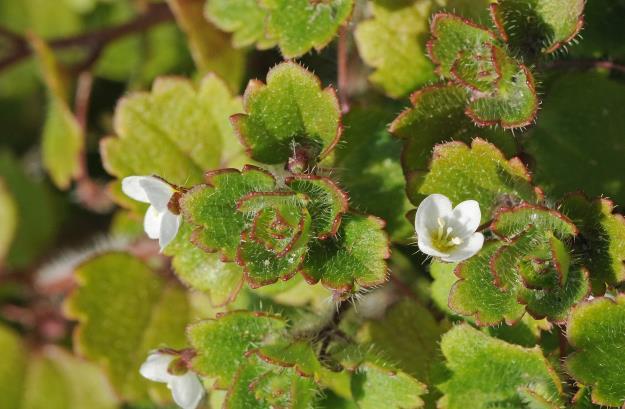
x=159, y=222
x=185, y=385
x=450, y=234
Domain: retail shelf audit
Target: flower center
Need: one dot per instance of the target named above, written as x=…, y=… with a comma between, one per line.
x=444, y=239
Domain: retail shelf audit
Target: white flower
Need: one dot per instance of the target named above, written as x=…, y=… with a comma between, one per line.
x=159, y=222
x=186, y=388
x=448, y=233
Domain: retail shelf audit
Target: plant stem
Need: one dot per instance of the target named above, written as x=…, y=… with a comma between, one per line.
x=95, y=41
x=343, y=59
x=331, y=328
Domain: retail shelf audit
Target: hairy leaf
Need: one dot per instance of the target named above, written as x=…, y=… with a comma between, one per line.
x=482, y=373
x=595, y=330
x=124, y=310
x=375, y=387
x=244, y=18
x=509, y=222
x=290, y=112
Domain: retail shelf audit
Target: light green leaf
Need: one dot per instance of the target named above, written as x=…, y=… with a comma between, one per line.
x=62, y=139
x=300, y=25
x=176, y=131
x=482, y=373
x=355, y=258
x=509, y=222
x=595, y=331
x=538, y=26
x=210, y=48
x=376, y=387
x=604, y=234
x=203, y=271
x=479, y=172
x=124, y=310
x=212, y=208
x=391, y=42
x=12, y=368
x=221, y=344
x=8, y=220
x=367, y=167
x=568, y=130
x=290, y=112
x=244, y=18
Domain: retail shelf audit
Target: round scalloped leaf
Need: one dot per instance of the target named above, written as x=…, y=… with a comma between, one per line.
x=480, y=172
x=212, y=207
x=596, y=331
x=453, y=35
x=367, y=165
x=375, y=387
x=509, y=222
x=538, y=26
x=328, y=202
x=176, y=131
x=300, y=25
x=202, y=271
x=391, y=42
x=245, y=19
x=492, y=373
x=124, y=310
x=290, y=111
x=603, y=233
x=588, y=144
x=221, y=344
x=356, y=256
x=476, y=293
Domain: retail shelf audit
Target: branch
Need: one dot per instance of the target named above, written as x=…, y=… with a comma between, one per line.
x=95, y=41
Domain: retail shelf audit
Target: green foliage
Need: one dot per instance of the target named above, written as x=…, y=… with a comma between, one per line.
x=482, y=373
x=291, y=112
x=176, y=131
x=124, y=310
x=12, y=368
x=375, y=387
x=8, y=213
x=595, y=330
x=244, y=18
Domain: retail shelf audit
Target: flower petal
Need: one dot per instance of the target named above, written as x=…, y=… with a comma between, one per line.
x=466, y=218
x=158, y=192
x=131, y=186
x=187, y=390
x=152, y=222
x=430, y=210
x=467, y=249
x=155, y=367
x=425, y=245
x=168, y=228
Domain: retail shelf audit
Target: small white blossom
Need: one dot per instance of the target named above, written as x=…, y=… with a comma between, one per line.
x=448, y=233
x=186, y=388
x=159, y=222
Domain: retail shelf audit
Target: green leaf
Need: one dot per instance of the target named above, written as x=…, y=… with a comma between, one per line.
x=124, y=310
x=594, y=330
x=300, y=25
x=176, y=131
x=567, y=130
x=285, y=389
x=210, y=48
x=291, y=111
x=390, y=41
x=221, y=344
x=481, y=373
x=58, y=380
x=443, y=280
x=479, y=172
x=212, y=207
x=12, y=368
x=37, y=218
x=376, y=387
x=509, y=222
x=355, y=257
x=538, y=26
x=244, y=18
x=367, y=166
x=604, y=235
x=476, y=293
x=8, y=215
x=62, y=139
x=203, y=271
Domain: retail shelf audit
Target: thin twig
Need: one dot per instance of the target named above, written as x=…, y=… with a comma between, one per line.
x=343, y=59
x=586, y=64
x=155, y=14
x=331, y=328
